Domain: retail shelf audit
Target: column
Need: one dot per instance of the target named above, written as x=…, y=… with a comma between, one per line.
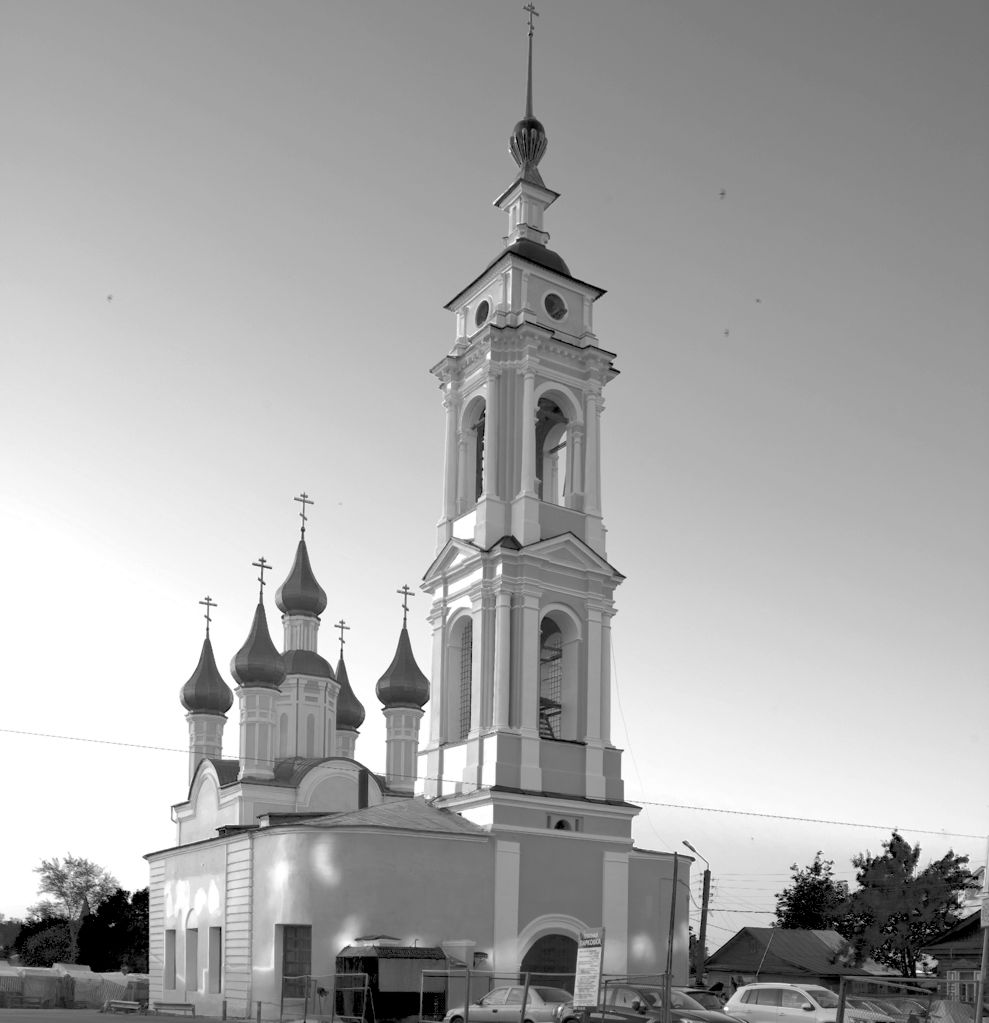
x=527, y=419
x=592, y=484
x=502, y=659
x=452, y=405
x=491, y=435
x=575, y=499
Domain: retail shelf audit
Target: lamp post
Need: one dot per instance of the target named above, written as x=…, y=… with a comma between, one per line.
x=702, y=937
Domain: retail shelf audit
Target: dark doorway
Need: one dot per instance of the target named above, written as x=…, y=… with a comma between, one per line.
x=552, y=960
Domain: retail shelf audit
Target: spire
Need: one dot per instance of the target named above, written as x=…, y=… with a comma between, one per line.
x=527, y=143
x=350, y=710
x=301, y=594
x=258, y=663
x=531, y=8
x=206, y=692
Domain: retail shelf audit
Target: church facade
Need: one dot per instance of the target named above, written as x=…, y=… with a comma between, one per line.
x=504, y=832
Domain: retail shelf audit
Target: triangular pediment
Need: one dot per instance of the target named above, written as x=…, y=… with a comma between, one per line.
x=454, y=553
x=569, y=551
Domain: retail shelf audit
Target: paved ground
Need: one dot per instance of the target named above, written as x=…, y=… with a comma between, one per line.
x=84, y=1016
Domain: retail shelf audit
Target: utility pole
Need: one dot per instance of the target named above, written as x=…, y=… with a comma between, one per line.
x=702, y=937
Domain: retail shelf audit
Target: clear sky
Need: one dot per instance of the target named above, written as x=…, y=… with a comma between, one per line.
x=280, y=198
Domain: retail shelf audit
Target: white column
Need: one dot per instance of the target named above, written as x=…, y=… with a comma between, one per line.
x=614, y=911
x=527, y=420
x=465, y=495
x=594, y=680
x=592, y=483
x=508, y=862
x=440, y=697
x=575, y=499
x=502, y=658
x=606, y=678
x=452, y=405
x=530, y=664
x=491, y=434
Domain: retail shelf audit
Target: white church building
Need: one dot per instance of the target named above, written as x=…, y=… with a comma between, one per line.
x=504, y=832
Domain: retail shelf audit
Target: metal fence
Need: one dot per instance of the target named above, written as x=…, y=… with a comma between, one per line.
x=340, y=996
x=907, y=1000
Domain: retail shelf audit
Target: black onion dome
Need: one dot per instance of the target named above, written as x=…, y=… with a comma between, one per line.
x=307, y=662
x=300, y=593
x=258, y=663
x=350, y=710
x=536, y=253
x=206, y=692
x=527, y=143
x=403, y=684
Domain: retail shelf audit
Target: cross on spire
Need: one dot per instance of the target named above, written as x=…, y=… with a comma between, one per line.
x=262, y=565
x=343, y=627
x=303, y=499
x=405, y=593
x=209, y=604
x=531, y=8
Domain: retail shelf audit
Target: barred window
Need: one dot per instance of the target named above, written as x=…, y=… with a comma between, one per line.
x=466, y=667
x=550, y=679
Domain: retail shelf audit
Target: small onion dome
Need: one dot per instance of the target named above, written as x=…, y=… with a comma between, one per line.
x=307, y=662
x=206, y=692
x=300, y=594
x=403, y=684
x=257, y=662
x=527, y=143
x=350, y=710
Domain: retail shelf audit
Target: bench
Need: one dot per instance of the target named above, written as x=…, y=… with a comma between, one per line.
x=121, y=1005
x=174, y=1009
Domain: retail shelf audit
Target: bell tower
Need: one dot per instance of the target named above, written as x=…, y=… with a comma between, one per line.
x=521, y=588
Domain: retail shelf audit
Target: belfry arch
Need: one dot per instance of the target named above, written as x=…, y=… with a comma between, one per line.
x=561, y=689
x=471, y=454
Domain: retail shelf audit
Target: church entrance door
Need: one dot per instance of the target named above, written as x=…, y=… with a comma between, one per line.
x=552, y=960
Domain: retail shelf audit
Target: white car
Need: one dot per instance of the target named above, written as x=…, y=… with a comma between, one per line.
x=783, y=1003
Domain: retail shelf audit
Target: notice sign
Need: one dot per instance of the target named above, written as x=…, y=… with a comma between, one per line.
x=590, y=949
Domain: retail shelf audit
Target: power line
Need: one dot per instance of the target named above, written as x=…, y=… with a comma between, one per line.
x=645, y=802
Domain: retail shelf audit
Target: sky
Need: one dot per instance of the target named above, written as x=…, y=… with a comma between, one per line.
x=228, y=233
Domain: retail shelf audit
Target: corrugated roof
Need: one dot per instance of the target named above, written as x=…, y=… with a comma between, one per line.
x=817, y=953
x=401, y=815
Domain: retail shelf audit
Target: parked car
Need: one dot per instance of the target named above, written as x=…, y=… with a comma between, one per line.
x=783, y=1003
x=708, y=999
x=504, y=1005
x=643, y=1003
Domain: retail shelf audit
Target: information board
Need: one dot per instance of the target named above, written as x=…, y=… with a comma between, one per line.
x=590, y=951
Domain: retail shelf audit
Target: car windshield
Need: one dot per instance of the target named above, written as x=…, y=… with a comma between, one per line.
x=825, y=999
x=553, y=994
x=708, y=999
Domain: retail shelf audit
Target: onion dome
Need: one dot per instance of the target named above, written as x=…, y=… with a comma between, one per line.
x=350, y=710
x=307, y=662
x=300, y=594
x=206, y=692
x=403, y=684
x=527, y=143
x=258, y=663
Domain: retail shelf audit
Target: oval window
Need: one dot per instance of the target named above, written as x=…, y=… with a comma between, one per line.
x=481, y=313
x=555, y=306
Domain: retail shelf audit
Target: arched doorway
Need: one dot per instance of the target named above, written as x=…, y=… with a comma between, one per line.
x=552, y=960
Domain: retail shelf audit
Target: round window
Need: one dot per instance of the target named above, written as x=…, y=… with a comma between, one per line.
x=481, y=313
x=555, y=306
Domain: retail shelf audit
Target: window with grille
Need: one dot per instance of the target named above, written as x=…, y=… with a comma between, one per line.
x=466, y=665
x=550, y=679
x=296, y=959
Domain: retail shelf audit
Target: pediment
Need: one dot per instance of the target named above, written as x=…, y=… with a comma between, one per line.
x=454, y=554
x=569, y=551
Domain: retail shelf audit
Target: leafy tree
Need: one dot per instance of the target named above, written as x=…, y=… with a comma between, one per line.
x=815, y=900
x=898, y=908
x=75, y=883
x=116, y=936
x=9, y=929
x=44, y=942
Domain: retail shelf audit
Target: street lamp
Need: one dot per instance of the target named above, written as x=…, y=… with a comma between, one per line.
x=702, y=937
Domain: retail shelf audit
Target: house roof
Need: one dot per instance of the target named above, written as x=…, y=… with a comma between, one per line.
x=401, y=815
x=785, y=950
x=965, y=934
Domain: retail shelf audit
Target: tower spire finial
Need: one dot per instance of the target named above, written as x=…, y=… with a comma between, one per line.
x=531, y=8
x=405, y=593
x=303, y=499
x=209, y=604
x=263, y=565
x=343, y=627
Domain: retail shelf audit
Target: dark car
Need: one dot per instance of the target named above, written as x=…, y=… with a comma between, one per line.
x=623, y=1003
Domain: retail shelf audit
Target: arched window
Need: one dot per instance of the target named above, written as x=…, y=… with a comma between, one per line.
x=550, y=679
x=466, y=678
x=479, y=457
x=552, y=484
x=471, y=477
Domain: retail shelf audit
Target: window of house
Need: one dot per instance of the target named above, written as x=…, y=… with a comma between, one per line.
x=466, y=680
x=214, y=962
x=550, y=679
x=192, y=959
x=169, y=979
x=296, y=959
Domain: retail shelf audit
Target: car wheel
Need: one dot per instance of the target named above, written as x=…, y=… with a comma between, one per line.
x=457, y=1019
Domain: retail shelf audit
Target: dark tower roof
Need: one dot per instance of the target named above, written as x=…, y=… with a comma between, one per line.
x=403, y=684
x=206, y=692
x=307, y=662
x=350, y=710
x=300, y=594
x=258, y=663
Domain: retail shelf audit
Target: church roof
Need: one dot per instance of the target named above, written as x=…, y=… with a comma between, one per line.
x=307, y=662
x=257, y=662
x=403, y=684
x=206, y=692
x=300, y=593
x=402, y=815
x=350, y=710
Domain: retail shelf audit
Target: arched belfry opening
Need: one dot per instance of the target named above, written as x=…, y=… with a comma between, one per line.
x=459, y=678
x=472, y=454
x=560, y=690
x=552, y=468
x=551, y=960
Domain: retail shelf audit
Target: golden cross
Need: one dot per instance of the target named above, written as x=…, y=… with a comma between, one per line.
x=303, y=499
x=209, y=604
x=405, y=593
x=262, y=565
x=342, y=626
x=531, y=8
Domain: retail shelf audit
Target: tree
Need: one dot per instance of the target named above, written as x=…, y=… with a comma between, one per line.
x=44, y=942
x=116, y=936
x=897, y=909
x=9, y=929
x=75, y=883
x=815, y=900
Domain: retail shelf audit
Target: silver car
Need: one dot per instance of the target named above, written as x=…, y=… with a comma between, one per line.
x=504, y=1005
x=783, y=1003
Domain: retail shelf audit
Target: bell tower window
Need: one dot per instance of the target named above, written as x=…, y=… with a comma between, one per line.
x=471, y=474
x=479, y=458
x=550, y=679
x=551, y=448
x=466, y=677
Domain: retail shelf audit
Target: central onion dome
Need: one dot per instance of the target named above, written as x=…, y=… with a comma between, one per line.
x=307, y=662
x=403, y=684
x=206, y=692
x=350, y=710
x=258, y=663
x=300, y=594
x=527, y=143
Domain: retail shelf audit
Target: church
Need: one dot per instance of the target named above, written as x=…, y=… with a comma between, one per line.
x=504, y=832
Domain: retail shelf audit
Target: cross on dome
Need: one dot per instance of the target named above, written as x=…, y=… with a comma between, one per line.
x=303, y=499
x=405, y=593
x=261, y=564
x=209, y=604
x=342, y=626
